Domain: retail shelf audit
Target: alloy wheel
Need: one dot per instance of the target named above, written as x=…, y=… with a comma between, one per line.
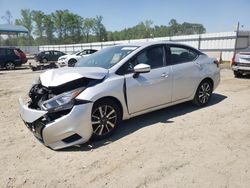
x=204, y=93
x=104, y=120
x=10, y=66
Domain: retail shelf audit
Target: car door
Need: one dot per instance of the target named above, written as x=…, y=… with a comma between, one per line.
x=186, y=71
x=55, y=56
x=152, y=89
x=47, y=55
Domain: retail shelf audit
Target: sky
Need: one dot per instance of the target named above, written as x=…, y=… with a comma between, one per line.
x=215, y=15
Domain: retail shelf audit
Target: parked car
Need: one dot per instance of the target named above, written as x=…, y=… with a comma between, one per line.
x=10, y=58
x=70, y=105
x=70, y=60
x=48, y=56
x=241, y=63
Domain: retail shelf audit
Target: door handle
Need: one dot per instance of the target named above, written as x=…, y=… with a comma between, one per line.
x=164, y=75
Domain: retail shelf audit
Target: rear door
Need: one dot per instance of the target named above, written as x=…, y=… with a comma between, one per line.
x=56, y=55
x=186, y=71
x=47, y=55
x=150, y=89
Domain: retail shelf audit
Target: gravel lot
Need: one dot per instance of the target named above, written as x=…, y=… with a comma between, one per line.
x=180, y=146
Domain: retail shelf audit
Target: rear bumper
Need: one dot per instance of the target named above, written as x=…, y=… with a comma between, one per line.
x=241, y=68
x=24, y=60
x=70, y=129
x=18, y=63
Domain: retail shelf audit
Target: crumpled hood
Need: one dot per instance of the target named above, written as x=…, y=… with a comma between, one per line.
x=56, y=77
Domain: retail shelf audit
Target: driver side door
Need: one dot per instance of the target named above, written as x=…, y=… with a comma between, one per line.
x=152, y=89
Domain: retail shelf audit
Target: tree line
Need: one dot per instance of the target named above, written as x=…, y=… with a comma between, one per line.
x=65, y=27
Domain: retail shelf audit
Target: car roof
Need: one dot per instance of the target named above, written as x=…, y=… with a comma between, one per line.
x=150, y=43
x=12, y=48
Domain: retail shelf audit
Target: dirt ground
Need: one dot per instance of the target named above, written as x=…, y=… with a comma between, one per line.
x=180, y=146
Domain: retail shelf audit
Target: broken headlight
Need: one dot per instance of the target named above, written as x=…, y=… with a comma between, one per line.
x=61, y=102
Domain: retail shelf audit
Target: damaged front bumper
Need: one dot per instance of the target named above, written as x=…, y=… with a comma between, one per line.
x=74, y=127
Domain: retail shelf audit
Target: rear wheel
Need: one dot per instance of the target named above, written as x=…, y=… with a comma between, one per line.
x=10, y=66
x=203, y=93
x=237, y=74
x=105, y=118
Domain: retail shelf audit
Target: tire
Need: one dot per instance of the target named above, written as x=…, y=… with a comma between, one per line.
x=44, y=60
x=105, y=117
x=203, y=93
x=10, y=66
x=237, y=74
x=72, y=62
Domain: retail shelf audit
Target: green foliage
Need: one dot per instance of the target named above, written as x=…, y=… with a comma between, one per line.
x=65, y=27
x=27, y=22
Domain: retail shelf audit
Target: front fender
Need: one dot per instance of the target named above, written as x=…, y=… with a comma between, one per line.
x=111, y=87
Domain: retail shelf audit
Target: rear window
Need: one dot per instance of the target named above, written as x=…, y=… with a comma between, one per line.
x=181, y=54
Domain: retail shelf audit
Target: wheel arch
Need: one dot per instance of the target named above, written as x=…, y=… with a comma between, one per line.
x=72, y=58
x=210, y=80
x=114, y=99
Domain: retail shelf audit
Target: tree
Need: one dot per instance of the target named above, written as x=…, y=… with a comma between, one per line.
x=49, y=28
x=149, y=30
x=26, y=21
x=99, y=29
x=38, y=18
x=58, y=21
x=88, y=27
x=7, y=17
x=174, y=28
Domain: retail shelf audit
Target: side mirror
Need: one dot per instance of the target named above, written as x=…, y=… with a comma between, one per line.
x=142, y=68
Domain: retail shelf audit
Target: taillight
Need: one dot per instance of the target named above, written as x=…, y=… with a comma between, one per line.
x=17, y=53
x=233, y=60
x=217, y=63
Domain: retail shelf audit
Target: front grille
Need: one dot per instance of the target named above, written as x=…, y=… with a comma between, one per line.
x=36, y=128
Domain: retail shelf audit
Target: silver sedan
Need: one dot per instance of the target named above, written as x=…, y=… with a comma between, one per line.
x=72, y=105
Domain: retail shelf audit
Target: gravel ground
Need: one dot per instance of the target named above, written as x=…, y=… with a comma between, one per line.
x=180, y=146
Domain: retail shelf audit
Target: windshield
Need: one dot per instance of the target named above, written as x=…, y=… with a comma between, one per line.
x=75, y=53
x=107, y=57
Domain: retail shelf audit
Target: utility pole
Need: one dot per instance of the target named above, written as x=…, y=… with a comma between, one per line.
x=237, y=34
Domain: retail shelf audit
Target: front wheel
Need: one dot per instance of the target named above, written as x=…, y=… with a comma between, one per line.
x=105, y=118
x=72, y=62
x=44, y=60
x=203, y=93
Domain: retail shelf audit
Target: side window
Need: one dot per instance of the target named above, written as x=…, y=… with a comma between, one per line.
x=92, y=51
x=84, y=52
x=47, y=53
x=182, y=54
x=152, y=57
x=56, y=53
